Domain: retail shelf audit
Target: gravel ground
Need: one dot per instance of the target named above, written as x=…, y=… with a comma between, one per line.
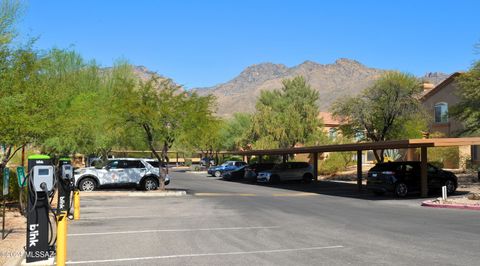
x=12, y=246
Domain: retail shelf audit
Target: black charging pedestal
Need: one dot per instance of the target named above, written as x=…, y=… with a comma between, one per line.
x=37, y=247
x=64, y=184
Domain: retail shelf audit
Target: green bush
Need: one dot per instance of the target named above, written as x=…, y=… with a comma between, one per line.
x=231, y=158
x=438, y=164
x=188, y=162
x=335, y=162
x=448, y=156
x=265, y=159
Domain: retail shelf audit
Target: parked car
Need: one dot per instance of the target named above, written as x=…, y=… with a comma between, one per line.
x=141, y=173
x=287, y=171
x=225, y=167
x=236, y=174
x=402, y=178
x=207, y=161
x=252, y=170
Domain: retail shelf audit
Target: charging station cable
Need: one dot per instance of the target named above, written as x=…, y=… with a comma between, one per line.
x=51, y=240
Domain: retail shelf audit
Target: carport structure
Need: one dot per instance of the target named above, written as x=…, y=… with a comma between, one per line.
x=422, y=144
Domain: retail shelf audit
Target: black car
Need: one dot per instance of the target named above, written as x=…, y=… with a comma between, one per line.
x=402, y=178
x=235, y=174
x=253, y=169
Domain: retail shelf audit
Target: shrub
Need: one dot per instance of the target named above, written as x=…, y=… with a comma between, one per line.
x=231, y=158
x=188, y=162
x=438, y=164
x=335, y=162
x=448, y=156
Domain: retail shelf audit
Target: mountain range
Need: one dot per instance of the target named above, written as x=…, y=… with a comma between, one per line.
x=333, y=81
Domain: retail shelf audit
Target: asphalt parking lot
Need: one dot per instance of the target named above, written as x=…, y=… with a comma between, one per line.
x=229, y=223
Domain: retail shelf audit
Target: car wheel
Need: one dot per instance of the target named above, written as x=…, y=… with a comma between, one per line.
x=150, y=184
x=307, y=178
x=87, y=184
x=217, y=174
x=401, y=189
x=451, y=186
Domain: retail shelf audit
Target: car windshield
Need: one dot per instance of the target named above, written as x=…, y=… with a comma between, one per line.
x=241, y=167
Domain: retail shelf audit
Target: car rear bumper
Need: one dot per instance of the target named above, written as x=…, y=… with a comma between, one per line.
x=380, y=187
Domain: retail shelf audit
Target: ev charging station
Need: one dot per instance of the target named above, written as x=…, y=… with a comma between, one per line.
x=65, y=184
x=39, y=229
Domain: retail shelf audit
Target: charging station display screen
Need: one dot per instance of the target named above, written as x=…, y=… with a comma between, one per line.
x=43, y=172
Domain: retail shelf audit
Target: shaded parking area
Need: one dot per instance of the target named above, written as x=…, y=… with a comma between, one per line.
x=234, y=223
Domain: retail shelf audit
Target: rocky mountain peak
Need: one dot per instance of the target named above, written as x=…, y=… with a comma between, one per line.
x=345, y=62
x=434, y=77
x=262, y=72
x=333, y=81
x=308, y=66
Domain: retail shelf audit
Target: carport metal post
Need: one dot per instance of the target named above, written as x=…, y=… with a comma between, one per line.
x=359, y=170
x=284, y=158
x=315, y=166
x=423, y=172
x=260, y=158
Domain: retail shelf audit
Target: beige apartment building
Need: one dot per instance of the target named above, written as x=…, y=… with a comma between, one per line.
x=437, y=100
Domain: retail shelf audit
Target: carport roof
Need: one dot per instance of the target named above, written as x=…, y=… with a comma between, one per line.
x=393, y=144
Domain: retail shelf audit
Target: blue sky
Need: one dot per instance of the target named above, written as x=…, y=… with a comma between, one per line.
x=202, y=43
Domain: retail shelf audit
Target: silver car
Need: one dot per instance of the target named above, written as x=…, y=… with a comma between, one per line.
x=141, y=173
x=287, y=171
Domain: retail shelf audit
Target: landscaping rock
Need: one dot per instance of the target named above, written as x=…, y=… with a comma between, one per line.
x=474, y=196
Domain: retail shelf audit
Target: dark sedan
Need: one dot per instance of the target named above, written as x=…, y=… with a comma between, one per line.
x=402, y=178
x=235, y=174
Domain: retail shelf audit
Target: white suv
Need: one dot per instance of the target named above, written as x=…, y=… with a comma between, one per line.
x=141, y=173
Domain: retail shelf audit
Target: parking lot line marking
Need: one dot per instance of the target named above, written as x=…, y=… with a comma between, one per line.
x=225, y=194
x=176, y=230
x=119, y=217
x=109, y=207
x=300, y=194
x=204, y=255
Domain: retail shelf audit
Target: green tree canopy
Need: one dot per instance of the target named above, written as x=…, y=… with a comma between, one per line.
x=234, y=132
x=387, y=110
x=287, y=116
x=468, y=109
x=162, y=112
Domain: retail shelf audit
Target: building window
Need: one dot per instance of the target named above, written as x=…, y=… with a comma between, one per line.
x=359, y=136
x=441, y=113
x=332, y=133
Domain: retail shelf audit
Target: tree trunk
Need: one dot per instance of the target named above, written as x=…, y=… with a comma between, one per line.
x=151, y=145
x=379, y=155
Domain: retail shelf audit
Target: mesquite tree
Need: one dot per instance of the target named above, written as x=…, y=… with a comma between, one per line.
x=162, y=112
x=387, y=110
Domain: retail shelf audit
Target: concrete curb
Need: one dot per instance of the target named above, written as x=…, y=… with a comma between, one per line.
x=178, y=193
x=168, y=193
x=429, y=203
x=197, y=172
